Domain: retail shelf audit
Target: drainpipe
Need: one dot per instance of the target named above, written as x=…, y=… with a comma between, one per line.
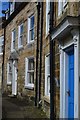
x=40, y=75
x=52, y=65
x=37, y=51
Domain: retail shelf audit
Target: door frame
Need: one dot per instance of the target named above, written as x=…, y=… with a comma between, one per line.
x=14, y=79
x=69, y=51
x=64, y=79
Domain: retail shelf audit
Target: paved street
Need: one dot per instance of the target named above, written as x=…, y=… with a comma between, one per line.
x=20, y=109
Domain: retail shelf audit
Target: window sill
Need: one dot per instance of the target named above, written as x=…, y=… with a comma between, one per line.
x=13, y=50
x=1, y=53
x=30, y=86
x=31, y=42
x=47, y=98
x=20, y=47
x=9, y=83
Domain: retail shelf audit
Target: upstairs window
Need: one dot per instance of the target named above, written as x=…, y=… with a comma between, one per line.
x=47, y=15
x=13, y=40
x=1, y=44
x=61, y=6
x=47, y=75
x=29, y=73
x=31, y=29
x=20, y=37
x=64, y=3
x=12, y=4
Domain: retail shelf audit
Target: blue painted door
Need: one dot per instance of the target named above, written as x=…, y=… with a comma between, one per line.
x=71, y=85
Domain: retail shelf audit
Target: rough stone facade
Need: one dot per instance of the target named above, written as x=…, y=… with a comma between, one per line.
x=28, y=50
x=1, y=58
x=45, y=51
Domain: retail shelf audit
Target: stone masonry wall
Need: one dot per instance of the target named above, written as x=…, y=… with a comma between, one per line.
x=1, y=60
x=28, y=50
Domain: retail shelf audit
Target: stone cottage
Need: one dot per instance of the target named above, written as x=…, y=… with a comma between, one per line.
x=27, y=54
x=67, y=33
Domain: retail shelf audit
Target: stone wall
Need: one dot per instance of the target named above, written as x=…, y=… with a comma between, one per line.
x=1, y=60
x=28, y=50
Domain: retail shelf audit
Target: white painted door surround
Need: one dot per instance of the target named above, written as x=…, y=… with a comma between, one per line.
x=64, y=76
x=14, y=79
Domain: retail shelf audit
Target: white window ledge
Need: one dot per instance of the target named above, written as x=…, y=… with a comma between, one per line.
x=1, y=53
x=13, y=50
x=20, y=47
x=9, y=83
x=30, y=86
x=30, y=42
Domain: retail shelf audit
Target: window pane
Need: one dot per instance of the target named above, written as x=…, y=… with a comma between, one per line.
x=32, y=22
x=31, y=77
x=13, y=44
x=48, y=85
x=21, y=40
x=10, y=68
x=14, y=35
x=21, y=29
x=31, y=64
x=32, y=34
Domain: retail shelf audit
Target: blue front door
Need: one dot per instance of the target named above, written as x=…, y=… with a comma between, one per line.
x=71, y=84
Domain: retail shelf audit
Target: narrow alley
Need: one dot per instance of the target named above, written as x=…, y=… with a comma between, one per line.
x=15, y=108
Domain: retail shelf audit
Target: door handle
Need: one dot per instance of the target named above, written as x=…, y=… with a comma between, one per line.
x=68, y=92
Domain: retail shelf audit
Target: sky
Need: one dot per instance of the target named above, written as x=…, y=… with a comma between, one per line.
x=3, y=6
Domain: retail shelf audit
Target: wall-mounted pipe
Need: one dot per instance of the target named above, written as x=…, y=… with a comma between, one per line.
x=40, y=67
x=52, y=65
x=37, y=53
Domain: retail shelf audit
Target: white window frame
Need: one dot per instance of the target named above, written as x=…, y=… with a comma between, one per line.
x=61, y=6
x=29, y=29
x=1, y=45
x=9, y=82
x=65, y=3
x=47, y=15
x=13, y=40
x=64, y=76
x=27, y=84
x=20, y=36
x=47, y=75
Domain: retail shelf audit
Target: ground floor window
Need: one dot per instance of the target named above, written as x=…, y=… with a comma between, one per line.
x=9, y=72
x=29, y=72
